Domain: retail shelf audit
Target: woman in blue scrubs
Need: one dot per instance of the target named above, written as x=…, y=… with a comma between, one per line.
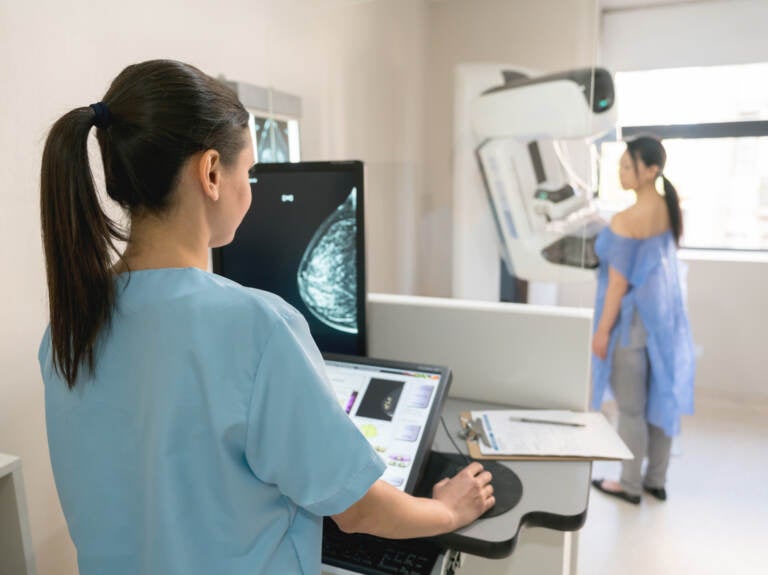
x=191, y=426
x=642, y=343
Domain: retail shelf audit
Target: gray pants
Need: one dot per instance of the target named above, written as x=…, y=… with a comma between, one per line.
x=630, y=377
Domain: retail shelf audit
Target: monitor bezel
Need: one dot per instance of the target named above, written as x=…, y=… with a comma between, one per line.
x=356, y=168
x=433, y=419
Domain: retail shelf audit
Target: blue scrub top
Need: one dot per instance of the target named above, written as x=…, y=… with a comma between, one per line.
x=655, y=292
x=208, y=439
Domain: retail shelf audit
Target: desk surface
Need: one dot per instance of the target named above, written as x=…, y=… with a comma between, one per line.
x=555, y=494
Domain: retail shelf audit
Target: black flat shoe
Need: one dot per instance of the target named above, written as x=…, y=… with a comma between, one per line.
x=658, y=492
x=623, y=495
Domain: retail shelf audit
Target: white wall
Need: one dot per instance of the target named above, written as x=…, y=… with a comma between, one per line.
x=728, y=310
x=706, y=33
x=341, y=57
x=545, y=35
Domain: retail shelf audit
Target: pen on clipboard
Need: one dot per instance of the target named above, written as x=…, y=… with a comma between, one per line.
x=547, y=421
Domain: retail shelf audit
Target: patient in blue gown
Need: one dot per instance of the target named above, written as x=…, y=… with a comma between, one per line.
x=642, y=345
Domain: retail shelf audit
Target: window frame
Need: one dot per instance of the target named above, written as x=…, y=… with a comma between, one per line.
x=711, y=130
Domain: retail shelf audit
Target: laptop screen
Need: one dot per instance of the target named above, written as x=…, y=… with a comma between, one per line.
x=396, y=406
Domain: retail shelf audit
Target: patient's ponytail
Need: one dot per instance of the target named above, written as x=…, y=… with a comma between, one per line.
x=673, y=207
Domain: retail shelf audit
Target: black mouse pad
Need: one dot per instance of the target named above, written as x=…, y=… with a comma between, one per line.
x=507, y=487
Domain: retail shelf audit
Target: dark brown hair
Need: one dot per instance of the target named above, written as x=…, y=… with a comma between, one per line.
x=651, y=151
x=160, y=113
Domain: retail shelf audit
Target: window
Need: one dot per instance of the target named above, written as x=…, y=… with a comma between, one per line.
x=714, y=125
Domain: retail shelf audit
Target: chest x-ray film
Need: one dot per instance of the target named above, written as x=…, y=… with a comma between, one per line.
x=302, y=239
x=276, y=140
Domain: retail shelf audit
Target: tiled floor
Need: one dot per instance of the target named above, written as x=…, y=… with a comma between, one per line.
x=716, y=518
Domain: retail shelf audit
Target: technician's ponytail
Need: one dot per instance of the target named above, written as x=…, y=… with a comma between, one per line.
x=673, y=207
x=78, y=242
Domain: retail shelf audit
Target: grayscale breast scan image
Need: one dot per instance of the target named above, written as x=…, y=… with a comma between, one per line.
x=327, y=275
x=302, y=239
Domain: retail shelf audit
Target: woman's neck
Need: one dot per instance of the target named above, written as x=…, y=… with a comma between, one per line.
x=164, y=243
x=646, y=194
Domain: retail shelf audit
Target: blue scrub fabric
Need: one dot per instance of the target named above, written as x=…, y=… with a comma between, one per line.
x=656, y=293
x=208, y=439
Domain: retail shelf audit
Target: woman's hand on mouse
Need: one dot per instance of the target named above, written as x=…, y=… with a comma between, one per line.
x=468, y=494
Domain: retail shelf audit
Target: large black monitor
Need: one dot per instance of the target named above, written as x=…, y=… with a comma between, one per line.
x=303, y=239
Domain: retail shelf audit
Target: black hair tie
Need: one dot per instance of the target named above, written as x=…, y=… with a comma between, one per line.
x=101, y=116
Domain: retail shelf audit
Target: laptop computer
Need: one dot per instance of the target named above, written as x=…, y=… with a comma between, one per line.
x=396, y=406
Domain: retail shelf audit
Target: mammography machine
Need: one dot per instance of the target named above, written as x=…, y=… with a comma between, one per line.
x=525, y=132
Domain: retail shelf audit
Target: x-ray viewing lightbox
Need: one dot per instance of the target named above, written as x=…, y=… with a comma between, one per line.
x=303, y=239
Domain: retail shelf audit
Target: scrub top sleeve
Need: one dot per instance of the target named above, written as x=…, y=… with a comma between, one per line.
x=298, y=436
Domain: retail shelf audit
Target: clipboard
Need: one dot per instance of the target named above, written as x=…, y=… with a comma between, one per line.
x=473, y=431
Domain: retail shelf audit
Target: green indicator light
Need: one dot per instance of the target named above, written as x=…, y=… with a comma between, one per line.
x=603, y=103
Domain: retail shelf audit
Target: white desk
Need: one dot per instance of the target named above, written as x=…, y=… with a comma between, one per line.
x=16, y=556
x=532, y=356
x=555, y=495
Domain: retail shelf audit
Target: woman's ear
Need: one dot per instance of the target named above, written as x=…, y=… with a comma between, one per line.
x=652, y=172
x=209, y=174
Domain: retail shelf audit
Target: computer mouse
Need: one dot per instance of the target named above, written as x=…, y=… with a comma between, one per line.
x=507, y=487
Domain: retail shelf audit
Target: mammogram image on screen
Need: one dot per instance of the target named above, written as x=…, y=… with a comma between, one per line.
x=381, y=399
x=302, y=240
x=327, y=275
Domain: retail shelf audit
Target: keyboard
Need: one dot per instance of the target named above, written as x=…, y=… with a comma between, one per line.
x=375, y=556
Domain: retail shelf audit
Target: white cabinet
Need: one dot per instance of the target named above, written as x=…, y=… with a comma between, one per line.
x=15, y=541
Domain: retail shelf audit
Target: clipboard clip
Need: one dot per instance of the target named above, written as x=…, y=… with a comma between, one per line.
x=472, y=430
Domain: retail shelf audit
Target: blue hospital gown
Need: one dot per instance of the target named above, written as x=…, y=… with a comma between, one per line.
x=209, y=439
x=655, y=293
